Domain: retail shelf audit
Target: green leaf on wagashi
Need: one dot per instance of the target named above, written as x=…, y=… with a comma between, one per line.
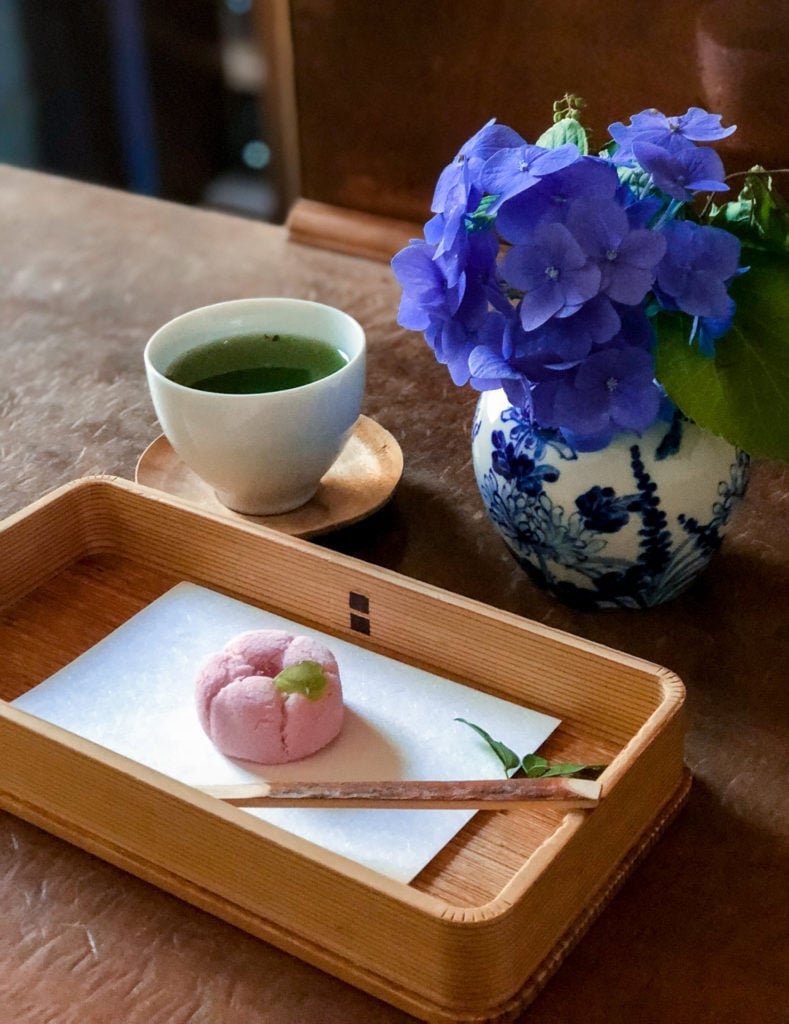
x=305, y=677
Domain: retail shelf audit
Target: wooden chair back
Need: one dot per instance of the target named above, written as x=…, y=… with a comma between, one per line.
x=372, y=98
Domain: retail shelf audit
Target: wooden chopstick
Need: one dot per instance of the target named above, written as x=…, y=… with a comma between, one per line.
x=486, y=794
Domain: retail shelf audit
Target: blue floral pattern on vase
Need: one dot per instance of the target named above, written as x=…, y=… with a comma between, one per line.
x=627, y=527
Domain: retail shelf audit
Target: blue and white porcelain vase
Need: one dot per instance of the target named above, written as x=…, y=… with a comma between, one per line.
x=629, y=526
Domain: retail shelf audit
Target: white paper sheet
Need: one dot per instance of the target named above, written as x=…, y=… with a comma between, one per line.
x=133, y=693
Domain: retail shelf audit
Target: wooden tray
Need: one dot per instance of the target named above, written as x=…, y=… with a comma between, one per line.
x=481, y=928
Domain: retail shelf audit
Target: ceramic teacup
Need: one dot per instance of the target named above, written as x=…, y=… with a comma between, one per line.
x=263, y=453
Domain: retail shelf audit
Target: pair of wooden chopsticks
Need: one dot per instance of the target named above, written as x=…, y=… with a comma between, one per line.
x=486, y=794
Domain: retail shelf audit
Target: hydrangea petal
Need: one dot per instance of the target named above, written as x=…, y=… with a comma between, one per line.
x=686, y=170
x=697, y=125
x=511, y=171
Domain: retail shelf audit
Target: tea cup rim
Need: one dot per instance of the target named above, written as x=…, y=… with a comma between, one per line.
x=249, y=304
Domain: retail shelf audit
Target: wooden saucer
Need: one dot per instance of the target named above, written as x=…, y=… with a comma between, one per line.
x=359, y=483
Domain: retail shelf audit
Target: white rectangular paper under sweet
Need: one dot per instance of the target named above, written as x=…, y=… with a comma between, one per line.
x=133, y=693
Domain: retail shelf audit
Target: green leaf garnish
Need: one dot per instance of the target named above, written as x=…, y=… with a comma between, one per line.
x=532, y=765
x=305, y=677
x=569, y=769
x=508, y=757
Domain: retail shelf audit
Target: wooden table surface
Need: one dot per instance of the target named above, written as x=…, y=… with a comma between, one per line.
x=697, y=934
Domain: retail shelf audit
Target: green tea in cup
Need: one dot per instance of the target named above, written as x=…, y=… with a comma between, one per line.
x=255, y=363
x=258, y=396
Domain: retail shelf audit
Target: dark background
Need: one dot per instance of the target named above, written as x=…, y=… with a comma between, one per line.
x=184, y=98
x=161, y=98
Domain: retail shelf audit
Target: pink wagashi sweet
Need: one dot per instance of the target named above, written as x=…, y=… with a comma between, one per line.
x=270, y=696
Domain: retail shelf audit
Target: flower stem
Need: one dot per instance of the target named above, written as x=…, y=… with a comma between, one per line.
x=758, y=171
x=668, y=214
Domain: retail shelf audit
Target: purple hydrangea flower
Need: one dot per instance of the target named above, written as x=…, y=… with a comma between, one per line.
x=627, y=257
x=466, y=168
x=550, y=198
x=452, y=343
x=445, y=230
x=459, y=191
x=564, y=341
x=622, y=381
x=488, y=366
x=540, y=270
x=613, y=390
x=699, y=264
x=507, y=353
x=641, y=212
x=490, y=371
x=651, y=126
x=553, y=272
x=427, y=294
x=683, y=170
x=454, y=339
x=707, y=330
x=459, y=249
x=449, y=315
x=637, y=330
x=512, y=171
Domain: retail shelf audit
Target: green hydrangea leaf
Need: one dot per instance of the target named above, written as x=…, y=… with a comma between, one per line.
x=305, y=677
x=742, y=393
x=759, y=215
x=480, y=219
x=567, y=130
x=508, y=758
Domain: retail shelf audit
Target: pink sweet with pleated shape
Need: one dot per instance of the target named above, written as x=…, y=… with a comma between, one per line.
x=246, y=715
